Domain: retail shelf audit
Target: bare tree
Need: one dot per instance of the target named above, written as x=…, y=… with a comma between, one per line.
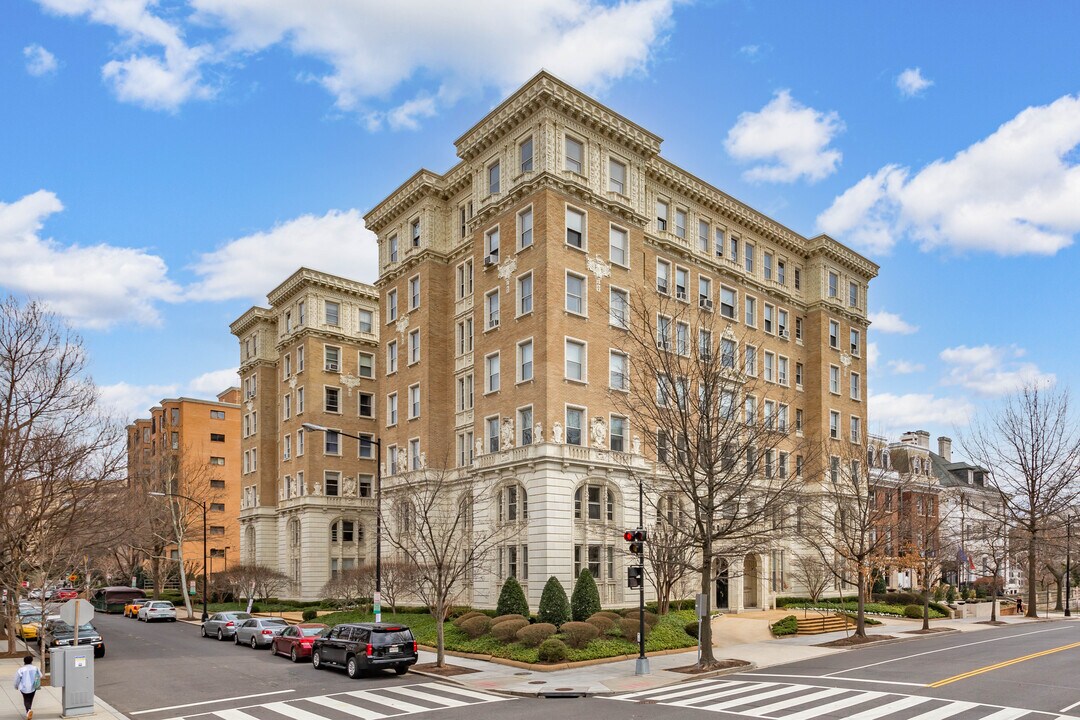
x=814, y=574
x=669, y=558
x=400, y=580
x=350, y=587
x=252, y=582
x=433, y=528
x=715, y=423
x=992, y=537
x=921, y=524
x=1031, y=447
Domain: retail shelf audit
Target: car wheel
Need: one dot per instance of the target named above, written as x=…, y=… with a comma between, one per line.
x=293, y=656
x=202, y=630
x=352, y=667
x=220, y=635
x=401, y=669
x=100, y=654
x=236, y=638
x=254, y=643
x=316, y=660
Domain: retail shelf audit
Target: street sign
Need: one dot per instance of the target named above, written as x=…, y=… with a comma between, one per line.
x=76, y=612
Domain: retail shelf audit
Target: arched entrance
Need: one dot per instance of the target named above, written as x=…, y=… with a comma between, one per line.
x=722, y=584
x=750, y=581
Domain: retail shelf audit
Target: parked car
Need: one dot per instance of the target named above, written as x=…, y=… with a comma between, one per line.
x=259, y=632
x=131, y=609
x=157, y=610
x=58, y=633
x=223, y=625
x=364, y=646
x=65, y=594
x=296, y=640
x=28, y=623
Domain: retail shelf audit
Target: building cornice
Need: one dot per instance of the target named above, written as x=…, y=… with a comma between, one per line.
x=251, y=317
x=843, y=255
x=422, y=184
x=306, y=277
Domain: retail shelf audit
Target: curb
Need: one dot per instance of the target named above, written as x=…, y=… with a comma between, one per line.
x=559, y=666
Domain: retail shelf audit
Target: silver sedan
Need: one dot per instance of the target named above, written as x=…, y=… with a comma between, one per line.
x=259, y=632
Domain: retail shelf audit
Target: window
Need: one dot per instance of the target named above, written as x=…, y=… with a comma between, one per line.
x=798, y=279
x=288, y=370
x=414, y=401
x=465, y=336
x=491, y=306
x=525, y=361
x=491, y=376
x=331, y=358
x=391, y=357
x=727, y=302
x=663, y=332
x=525, y=294
x=834, y=281
x=414, y=232
x=575, y=294
x=766, y=265
x=575, y=155
x=391, y=306
x=575, y=360
x=750, y=407
x=491, y=431
x=682, y=283
x=575, y=228
x=834, y=335
x=619, y=246
x=856, y=344
x=834, y=379
x=392, y=459
x=727, y=353
x=619, y=311
x=299, y=443
x=464, y=279
x=333, y=313
x=749, y=258
x=719, y=242
x=300, y=401
x=682, y=338
x=769, y=366
x=525, y=155
x=663, y=276
x=286, y=451
x=856, y=390
x=331, y=443
x=493, y=178
x=415, y=460
x=332, y=400
x=782, y=323
x=393, y=248
x=703, y=236
x=331, y=483
x=680, y=223
x=617, y=435
x=618, y=370
x=782, y=370
x=705, y=344
x=414, y=292
x=798, y=420
x=780, y=272
x=834, y=424
x=366, y=365
x=391, y=409
x=287, y=406
x=414, y=346
x=853, y=294
x=798, y=374
x=704, y=292
x=217, y=529
x=750, y=360
x=781, y=418
x=616, y=176
x=525, y=228
x=575, y=421
x=214, y=415
x=465, y=392
x=734, y=249
x=491, y=244
x=217, y=461
x=174, y=440
x=525, y=425
x=856, y=429
x=365, y=448
x=751, y=311
x=768, y=318
x=300, y=359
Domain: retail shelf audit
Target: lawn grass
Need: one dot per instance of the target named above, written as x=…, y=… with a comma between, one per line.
x=871, y=608
x=666, y=635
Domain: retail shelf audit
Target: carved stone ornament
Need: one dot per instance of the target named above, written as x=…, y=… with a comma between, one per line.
x=382, y=469
x=635, y=445
x=250, y=405
x=423, y=461
x=729, y=333
x=507, y=270
x=303, y=487
x=506, y=433
x=556, y=433
x=538, y=433
x=350, y=382
x=281, y=493
x=348, y=487
x=598, y=267
x=599, y=432
x=316, y=489
x=478, y=448
x=402, y=325
x=292, y=382
x=845, y=360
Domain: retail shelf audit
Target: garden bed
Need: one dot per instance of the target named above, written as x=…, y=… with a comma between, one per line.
x=855, y=641
x=871, y=608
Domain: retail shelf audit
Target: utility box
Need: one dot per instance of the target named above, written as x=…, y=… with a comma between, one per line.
x=72, y=669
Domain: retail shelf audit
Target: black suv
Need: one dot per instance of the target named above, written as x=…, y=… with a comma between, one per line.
x=58, y=633
x=364, y=646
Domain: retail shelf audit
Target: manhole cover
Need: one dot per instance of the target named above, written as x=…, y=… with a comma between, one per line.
x=538, y=682
x=523, y=673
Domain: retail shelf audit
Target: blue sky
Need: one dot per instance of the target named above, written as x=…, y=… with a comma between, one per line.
x=164, y=164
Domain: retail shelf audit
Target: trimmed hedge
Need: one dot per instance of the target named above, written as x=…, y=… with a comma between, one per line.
x=915, y=612
x=785, y=626
x=507, y=630
x=474, y=627
x=613, y=616
x=533, y=635
x=585, y=600
x=650, y=618
x=309, y=614
x=467, y=616
x=552, y=650
x=578, y=634
x=601, y=623
x=691, y=629
x=503, y=618
x=554, y=607
x=628, y=628
x=512, y=599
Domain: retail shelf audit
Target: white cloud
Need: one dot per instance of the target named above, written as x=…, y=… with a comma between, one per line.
x=911, y=82
x=892, y=414
x=162, y=81
x=127, y=402
x=873, y=354
x=990, y=370
x=887, y=322
x=209, y=384
x=1013, y=193
x=755, y=51
x=250, y=266
x=788, y=138
x=94, y=286
x=39, y=61
x=905, y=367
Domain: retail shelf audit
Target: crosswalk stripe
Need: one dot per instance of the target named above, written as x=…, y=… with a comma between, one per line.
x=347, y=708
x=692, y=702
x=888, y=708
x=438, y=699
x=834, y=705
x=464, y=692
x=291, y=711
x=380, y=699
x=792, y=702
x=1007, y=714
x=680, y=686
x=946, y=711
x=741, y=688
x=234, y=715
x=686, y=690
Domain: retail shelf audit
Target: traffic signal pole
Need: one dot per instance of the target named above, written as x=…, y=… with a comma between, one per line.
x=642, y=665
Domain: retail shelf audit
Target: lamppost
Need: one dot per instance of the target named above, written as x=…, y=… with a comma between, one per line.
x=205, y=558
x=377, y=600
x=1068, y=564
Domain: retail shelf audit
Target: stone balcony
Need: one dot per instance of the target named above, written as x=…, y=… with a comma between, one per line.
x=548, y=451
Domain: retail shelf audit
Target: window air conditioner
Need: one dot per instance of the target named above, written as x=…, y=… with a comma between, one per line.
x=705, y=302
x=491, y=261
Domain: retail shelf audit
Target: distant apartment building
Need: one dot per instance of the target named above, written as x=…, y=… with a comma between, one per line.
x=191, y=446
x=306, y=498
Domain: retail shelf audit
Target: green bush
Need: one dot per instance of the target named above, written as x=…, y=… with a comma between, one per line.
x=474, y=627
x=554, y=607
x=950, y=595
x=552, y=650
x=613, y=616
x=533, y=635
x=628, y=628
x=939, y=593
x=673, y=605
x=507, y=630
x=310, y=614
x=691, y=629
x=915, y=612
x=650, y=618
x=502, y=618
x=785, y=626
x=898, y=598
x=467, y=616
x=512, y=599
x=970, y=594
x=578, y=634
x=585, y=600
x=601, y=623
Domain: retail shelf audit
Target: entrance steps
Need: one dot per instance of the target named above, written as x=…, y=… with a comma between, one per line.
x=823, y=624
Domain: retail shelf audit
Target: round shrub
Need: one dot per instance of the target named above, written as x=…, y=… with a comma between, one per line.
x=650, y=618
x=474, y=627
x=691, y=629
x=585, y=600
x=507, y=630
x=503, y=618
x=913, y=611
x=950, y=594
x=512, y=599
x=467, y=616
x=554, y=607
x=552, y=650
x=533, y=635
x=613, y=616
x=578, y=634
x=310, y=614
x=785, y=626
x=628, y=628
x=601, y=623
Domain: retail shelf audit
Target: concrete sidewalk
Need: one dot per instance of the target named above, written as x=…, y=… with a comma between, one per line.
x=47, y=701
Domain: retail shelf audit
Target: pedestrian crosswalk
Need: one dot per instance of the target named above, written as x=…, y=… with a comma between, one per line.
x=796, y=701
x=387, y=702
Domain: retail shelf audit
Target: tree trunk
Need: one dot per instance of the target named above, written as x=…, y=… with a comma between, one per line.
x=183, y=585
x=1058, y=593
x=440, y=635
x=1032, y=557
x=926, y=606
x=993, y=597
x=860, y=605
x=706, y=639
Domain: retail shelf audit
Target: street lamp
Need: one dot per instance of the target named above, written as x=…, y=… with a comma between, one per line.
x=377, y=600
x=205, y=559
x=1068, y=563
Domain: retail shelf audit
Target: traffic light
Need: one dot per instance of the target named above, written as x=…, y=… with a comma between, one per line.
x=635, y=576
x=636, y=538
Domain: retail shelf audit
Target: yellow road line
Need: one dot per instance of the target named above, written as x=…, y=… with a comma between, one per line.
x=998, y=666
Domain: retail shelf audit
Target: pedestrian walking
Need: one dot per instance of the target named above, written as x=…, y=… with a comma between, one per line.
x=28, y=681
x=1019, y=606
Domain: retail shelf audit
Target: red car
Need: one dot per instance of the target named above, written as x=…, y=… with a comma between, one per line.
x=65, y=594
x=295, y=640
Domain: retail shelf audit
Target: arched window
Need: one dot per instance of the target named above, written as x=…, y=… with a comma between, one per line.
x=594, y=502
x=249, y=545
x=346, y=530
x=513, y=503
x=885, y=459
x=294, y=533
x=870, y=457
